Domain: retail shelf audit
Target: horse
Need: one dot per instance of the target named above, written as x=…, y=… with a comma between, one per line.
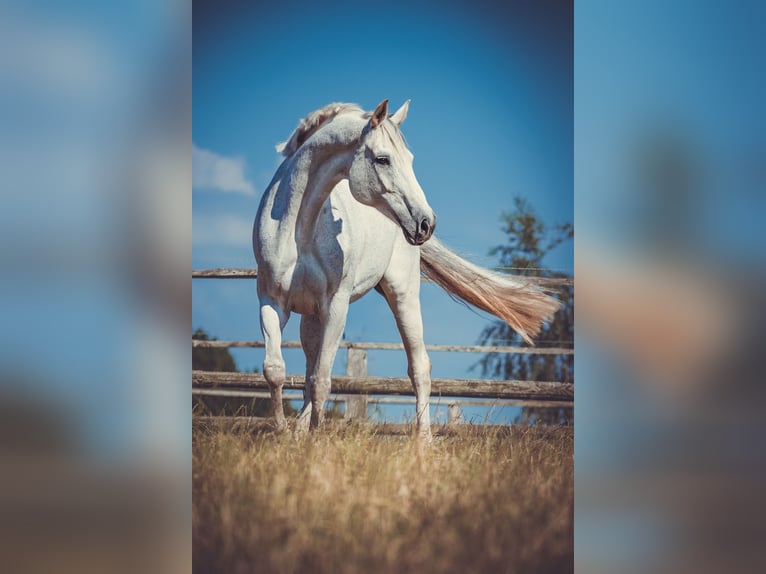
x=343, y=215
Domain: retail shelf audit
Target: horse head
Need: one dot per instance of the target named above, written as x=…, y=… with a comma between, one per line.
x=381, y=175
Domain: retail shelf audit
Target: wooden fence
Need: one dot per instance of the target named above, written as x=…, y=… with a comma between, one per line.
x=357, y=389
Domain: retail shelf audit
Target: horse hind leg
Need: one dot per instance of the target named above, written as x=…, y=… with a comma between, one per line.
x=310, y=335
x=273, y=320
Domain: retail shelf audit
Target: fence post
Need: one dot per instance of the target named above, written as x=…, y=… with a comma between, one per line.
x=454, y=414
x=356, y=366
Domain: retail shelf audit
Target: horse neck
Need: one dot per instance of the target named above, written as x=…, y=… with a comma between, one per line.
x=319, y=169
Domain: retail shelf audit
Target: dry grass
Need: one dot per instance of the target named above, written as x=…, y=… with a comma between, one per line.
x=345, y=500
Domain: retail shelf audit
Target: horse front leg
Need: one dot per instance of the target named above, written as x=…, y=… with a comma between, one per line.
x=273, y=320
x=332, y=323
x=403, y=296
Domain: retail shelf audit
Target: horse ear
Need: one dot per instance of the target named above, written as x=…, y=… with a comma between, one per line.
x=401, y=114
x=380, y=114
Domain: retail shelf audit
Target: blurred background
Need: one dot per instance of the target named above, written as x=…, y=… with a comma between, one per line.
x=95, y=248
x=670, y=158
x=96, y=152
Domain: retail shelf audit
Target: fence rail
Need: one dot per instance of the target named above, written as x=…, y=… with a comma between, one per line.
x=344, y=384
x=252, y=273
x=356, y=387
x=225, y=273
x=437, y=401
x=394, y=347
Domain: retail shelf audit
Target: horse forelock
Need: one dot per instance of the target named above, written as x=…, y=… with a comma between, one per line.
x=395, y=135
x=311, y=124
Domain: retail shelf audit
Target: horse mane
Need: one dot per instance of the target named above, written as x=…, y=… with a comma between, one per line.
x=311, y=123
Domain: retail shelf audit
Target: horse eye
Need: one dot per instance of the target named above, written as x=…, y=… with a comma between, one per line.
x=383, y=160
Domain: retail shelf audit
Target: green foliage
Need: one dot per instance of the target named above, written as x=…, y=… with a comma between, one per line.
x=211, y=359
x=206, y=359
x=529, y=241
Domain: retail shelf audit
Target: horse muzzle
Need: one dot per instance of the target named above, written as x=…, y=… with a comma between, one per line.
x=423, y=230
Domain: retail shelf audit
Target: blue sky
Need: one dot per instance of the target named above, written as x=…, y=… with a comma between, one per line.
x=491, y=117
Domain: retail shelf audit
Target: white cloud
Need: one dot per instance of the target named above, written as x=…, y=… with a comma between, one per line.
x=222, y=230
x=219, y=173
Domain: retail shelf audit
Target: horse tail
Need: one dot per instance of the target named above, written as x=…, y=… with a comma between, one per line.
x=520, y=303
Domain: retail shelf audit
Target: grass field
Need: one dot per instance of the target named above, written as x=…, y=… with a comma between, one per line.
x=345, y=500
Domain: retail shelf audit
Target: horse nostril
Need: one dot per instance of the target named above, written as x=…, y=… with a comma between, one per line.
x=425, y=227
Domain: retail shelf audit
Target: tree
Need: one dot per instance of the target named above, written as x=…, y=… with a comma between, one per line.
x=529, y=241
x=211, y=359
x=220, y=359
